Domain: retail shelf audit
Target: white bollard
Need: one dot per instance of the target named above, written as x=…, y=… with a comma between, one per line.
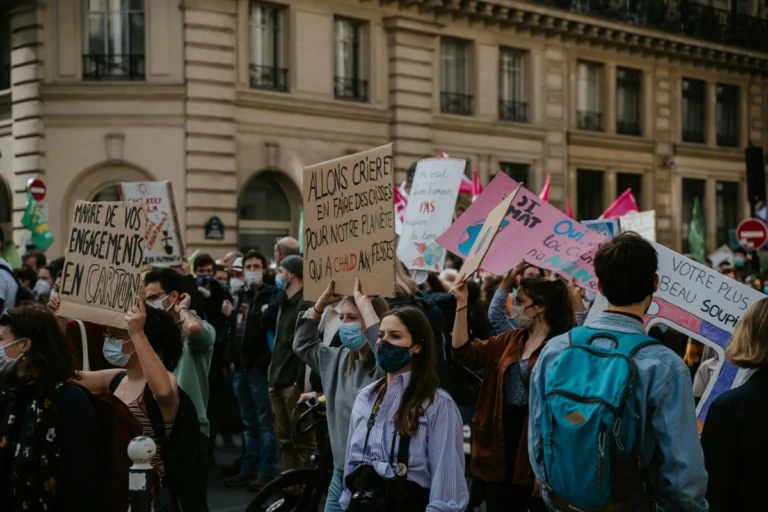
x=141, y=476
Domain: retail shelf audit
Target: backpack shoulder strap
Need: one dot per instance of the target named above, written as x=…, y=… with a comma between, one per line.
x=584, y=336
x=116, y=380
x=630, y=344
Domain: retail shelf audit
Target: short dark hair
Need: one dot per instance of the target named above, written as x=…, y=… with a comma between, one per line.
x=170, y=280
x=255, y=254
x=40, y=259
x=220, y=268
x=164, y=337
x=203, y=260
x=626, y=269
x=26, y=273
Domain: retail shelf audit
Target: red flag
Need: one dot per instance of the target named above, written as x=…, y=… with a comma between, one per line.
x=544, y=194
x=443, y=154
x=568, y=210
x=477, y=188
x=624, y=204
x=401, y=201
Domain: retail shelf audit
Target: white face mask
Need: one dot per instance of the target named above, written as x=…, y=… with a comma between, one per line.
x=253, y=278
x=158, y=304
x=236, y=284
x=205, y=292
x=522, y=320
x=7, y=364
x=42, y=288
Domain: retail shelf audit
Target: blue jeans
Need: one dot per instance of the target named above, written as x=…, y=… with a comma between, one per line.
x=252, y=392
x=335, y=491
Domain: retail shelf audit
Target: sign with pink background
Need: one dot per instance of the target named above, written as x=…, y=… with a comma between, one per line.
x=533, y=230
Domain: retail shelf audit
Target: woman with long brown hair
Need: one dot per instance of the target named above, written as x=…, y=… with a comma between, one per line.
x=405, y=447
x=542, y=309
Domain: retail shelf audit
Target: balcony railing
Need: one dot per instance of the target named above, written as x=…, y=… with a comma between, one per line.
x=513, y=111
x=352, y=89
x=5, y=76
x=592, y=121
x=269, y=77
x=625, y=127
x=727, y=140
x=113, y=67
x=682, y=17
x=456, y=103
x=693, y=135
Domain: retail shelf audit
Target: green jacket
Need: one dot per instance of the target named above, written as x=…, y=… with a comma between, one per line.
x=193, y=369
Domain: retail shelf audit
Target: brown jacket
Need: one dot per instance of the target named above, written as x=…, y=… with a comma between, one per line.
x=488, y=452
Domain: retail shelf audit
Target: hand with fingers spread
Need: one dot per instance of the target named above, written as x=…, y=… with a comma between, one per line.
x=136, y=318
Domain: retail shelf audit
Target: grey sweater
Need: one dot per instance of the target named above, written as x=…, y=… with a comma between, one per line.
x=340, y=389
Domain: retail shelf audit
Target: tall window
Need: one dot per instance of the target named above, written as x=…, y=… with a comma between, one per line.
x=727, y=115
x=590, y=110
x=694, y=92
x=726, y=209
x=350, y=60
x=265, y=213
x=516, y=171
x=5, y=51
x=589, y=192
x=268, y=69
x=115, y=40
x=692, y=189
x=625, y=180
x=454, y=95
x=628, y=101
x=512, y=90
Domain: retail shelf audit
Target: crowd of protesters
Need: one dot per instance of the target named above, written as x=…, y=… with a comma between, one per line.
x=229, y=348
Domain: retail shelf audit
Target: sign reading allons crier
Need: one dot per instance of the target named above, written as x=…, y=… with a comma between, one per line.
x=104, y=256
x=349, y=224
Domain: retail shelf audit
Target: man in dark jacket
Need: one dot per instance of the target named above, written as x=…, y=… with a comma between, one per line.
x=251, y=357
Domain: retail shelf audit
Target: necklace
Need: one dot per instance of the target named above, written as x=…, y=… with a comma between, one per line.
x=127, y=387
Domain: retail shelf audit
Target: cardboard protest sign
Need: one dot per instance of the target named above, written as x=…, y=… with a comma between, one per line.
x=104, y=258
x=485, y=238
x=429, y=212
x=534, y=231
x=643, y=223
x=701, y=303
x=607, y=227
x=349, y=224
x=164, y=243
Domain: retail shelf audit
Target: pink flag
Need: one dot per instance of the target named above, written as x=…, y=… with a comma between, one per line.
x=624, y=204
x=568, y=210
x=443, y=154
x=477, y=188
x=544, y=194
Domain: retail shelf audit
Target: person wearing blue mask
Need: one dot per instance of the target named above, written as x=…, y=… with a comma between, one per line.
x=344, y=371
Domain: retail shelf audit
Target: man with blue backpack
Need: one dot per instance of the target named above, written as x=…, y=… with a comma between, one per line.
x=612, y=422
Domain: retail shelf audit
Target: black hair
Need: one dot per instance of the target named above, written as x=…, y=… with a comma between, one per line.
x=255, y=254
x=203, y=260
x=556, y=299
x=479, y=324
x=40, y=259
x=170, y=280
x=220, y=268
x=164, y=337
x=626, y=269
x=26, y=273
x=433, y=280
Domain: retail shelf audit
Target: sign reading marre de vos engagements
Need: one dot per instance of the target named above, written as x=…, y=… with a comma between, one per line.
x=349, y=220
x=105, y=252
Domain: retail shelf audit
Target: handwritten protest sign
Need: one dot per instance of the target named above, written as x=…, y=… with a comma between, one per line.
x=534, y=231
x=643, y=223
x=349, y=224
x=484, y=240
x=721, y=254
x=607, y=227
x=429, y=212
x=164, y=243
x=701, y=303
x=104, y=257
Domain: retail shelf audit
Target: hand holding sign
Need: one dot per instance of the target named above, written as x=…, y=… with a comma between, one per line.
x=329, y=297
x=136, y=318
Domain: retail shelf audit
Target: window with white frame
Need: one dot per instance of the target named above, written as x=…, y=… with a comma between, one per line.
x=513, y=105
x=589, y=90
x=267, y=65
x=350, y=82
x=114, y=47
x=454, y=94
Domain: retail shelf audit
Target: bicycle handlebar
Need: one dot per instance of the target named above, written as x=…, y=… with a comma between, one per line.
x=315, y=408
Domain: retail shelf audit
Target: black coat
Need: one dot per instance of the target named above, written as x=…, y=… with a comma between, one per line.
x=736, y=447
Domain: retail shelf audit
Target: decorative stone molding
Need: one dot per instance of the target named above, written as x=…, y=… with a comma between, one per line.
x=114, y=143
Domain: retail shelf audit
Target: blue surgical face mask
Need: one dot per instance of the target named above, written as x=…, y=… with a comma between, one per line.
x=391, y=358
x=204, y=280
x=351, y=335
x=738, y=261
x=279, y=282
x=113, y=352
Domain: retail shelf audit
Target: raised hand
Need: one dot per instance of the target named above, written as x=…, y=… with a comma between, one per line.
x=136, y=318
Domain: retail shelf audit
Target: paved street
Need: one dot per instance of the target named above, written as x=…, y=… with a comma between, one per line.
x=221, y=499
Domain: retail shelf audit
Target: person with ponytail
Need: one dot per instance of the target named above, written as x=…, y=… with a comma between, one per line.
x=405, y=449
x=542, y=309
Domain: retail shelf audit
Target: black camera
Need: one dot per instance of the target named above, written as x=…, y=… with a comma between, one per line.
x=368, y=501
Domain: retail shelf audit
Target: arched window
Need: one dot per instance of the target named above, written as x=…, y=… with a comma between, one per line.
x=109, y=193
x=266, y=212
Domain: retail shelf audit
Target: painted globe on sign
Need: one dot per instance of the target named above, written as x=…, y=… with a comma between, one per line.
x=467, y=239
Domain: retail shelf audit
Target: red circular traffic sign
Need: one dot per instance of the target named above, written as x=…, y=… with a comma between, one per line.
x=752, y=234
x=38, y=189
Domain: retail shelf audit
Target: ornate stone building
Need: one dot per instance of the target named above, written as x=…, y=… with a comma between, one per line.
x=230, y=99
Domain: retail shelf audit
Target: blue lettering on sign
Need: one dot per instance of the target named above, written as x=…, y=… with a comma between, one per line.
x=565, y=227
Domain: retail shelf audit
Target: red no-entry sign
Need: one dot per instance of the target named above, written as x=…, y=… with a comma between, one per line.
x=752, y=234
x=37, y=187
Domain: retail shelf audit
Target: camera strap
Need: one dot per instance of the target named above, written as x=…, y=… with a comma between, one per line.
x=400, y=488
x=371, y=422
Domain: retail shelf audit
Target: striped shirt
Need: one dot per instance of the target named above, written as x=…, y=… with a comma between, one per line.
x=436, y=452
x=146, y=430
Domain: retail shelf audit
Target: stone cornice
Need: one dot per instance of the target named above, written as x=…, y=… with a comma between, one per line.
x=706, y=152
x=114, y=91
x=498, y=128
x=571, y=26
x=610, y=141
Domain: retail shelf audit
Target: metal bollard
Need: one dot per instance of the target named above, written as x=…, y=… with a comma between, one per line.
x=141, y=477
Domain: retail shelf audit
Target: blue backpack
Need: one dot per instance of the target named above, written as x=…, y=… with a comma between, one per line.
x=590, y=423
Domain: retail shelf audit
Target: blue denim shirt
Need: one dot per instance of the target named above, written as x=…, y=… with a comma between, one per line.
x=669, y=433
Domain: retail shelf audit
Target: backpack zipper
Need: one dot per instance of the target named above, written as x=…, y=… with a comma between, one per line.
x=601, y=454
x=581, y=399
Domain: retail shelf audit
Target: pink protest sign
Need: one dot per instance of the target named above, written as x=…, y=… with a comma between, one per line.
x=533, y=230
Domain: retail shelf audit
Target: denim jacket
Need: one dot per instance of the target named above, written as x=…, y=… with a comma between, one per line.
x=672, y=453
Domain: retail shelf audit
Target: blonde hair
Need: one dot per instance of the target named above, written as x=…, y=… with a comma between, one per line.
x=749, y=346
x=404, y=285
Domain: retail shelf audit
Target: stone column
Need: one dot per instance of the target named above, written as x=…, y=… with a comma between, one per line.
x=555, y=125
x=667, y=227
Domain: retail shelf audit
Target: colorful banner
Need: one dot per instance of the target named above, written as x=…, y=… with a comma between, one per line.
x=533, y=230
x=607, y=227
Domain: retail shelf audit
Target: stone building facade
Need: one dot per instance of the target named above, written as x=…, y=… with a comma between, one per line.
x=230, y=99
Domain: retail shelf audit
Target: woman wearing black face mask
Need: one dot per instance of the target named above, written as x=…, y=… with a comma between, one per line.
x=543, y=308
x=405, y=447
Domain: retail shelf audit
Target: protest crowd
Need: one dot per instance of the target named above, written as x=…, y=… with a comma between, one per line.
x=578, y=386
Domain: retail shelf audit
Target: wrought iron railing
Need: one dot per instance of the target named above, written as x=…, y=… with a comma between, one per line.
x=113, y=67
x=513, y=111
x=353, y=89
x=590, y=120
x=456, y=103
x=625, y=127
x=269, y=77
x=729, y=140
x=693, y=135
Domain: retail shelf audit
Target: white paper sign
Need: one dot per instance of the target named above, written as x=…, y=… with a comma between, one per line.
x=721, y=254
x=643, y=223
x=701, y=303
x=429, y=213
x=164, y=244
